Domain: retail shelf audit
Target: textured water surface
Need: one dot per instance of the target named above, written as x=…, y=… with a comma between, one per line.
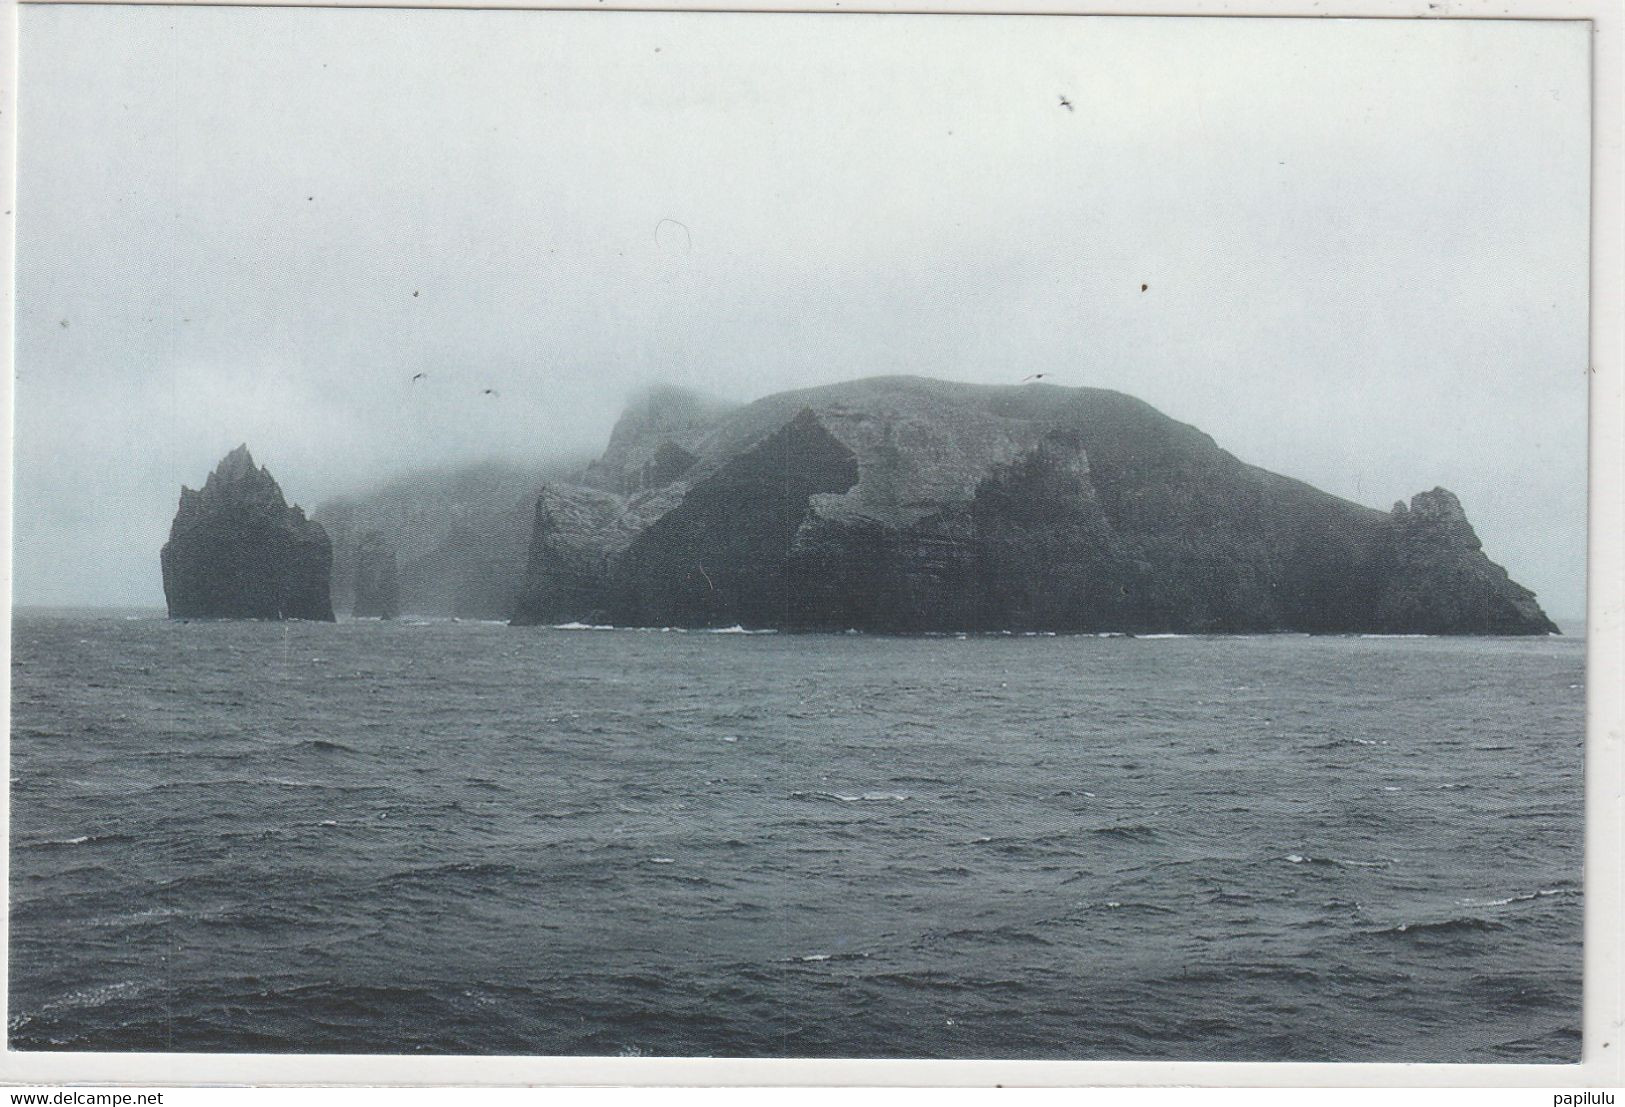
x=467, y=838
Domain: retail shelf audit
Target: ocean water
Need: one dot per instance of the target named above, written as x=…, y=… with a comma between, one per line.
x=468, y=838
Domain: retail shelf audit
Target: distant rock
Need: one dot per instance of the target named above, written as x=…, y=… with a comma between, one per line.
x=902, y=504
x=237, y=550
x=377, y=591
x=459, y=536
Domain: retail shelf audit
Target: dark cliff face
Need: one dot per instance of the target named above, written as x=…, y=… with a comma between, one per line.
x=237, y=550
x=725, y=555
x=377, y=591
x=901, y=504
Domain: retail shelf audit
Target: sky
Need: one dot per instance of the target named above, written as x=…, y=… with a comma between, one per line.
x=1364, y=244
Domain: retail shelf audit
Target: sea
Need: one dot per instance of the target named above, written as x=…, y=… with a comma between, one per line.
x=464, y=838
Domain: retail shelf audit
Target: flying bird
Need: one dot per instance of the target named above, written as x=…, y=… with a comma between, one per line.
x=418, y=376
x=1034, y=377
x=1065, y=103
x=490, y=392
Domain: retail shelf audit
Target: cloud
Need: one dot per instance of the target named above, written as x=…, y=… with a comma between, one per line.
x=1364, y=243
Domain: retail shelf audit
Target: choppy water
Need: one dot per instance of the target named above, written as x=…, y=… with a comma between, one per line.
x=468, y=838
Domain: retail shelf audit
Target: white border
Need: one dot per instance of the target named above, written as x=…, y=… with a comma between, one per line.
x=1604, y=1027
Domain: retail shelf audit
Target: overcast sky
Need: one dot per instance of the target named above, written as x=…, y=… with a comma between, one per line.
x=1365, y=244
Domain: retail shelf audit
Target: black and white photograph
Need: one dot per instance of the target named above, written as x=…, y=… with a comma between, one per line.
x=746, y=535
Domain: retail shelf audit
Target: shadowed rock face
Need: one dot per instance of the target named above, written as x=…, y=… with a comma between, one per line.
x=743, y=520
x=237, y=550
x=902, y=504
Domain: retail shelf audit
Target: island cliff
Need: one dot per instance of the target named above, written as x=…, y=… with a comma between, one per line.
x=237, y=550
x=907, y=505
x=377, y=591
x=458, y=536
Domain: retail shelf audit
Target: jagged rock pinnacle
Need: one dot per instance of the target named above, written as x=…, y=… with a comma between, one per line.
x=237, y=550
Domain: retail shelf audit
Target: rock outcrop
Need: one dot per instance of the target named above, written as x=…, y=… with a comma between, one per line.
x=1440, y=582
x=377, y=591
x=237, y=550
x=905, y=505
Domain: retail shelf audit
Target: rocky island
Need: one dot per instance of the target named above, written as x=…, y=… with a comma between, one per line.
x=901, y=504
x=237, y=550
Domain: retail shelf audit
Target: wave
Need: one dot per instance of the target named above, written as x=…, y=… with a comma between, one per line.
x=325, y=745
x=82, y=839
x=1539, y=893
x=151, y=915
x=1464, y=924
x=862, y=797
x=1004, y=934
x=737, y=629
x=482, y=870
x=1338, y=862
x=580, y=626
x=1133, y=833
x=94, y=996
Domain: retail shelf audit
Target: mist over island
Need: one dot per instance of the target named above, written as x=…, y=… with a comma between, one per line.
x=382, y=267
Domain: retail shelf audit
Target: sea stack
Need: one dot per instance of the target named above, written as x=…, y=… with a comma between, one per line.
x=900, y=504
x=377, y=592
x=237, y=550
